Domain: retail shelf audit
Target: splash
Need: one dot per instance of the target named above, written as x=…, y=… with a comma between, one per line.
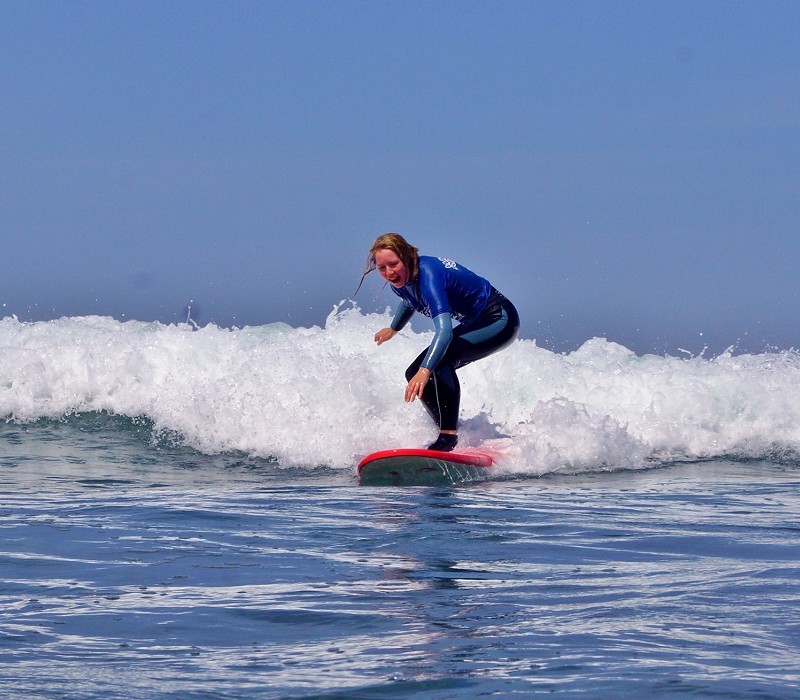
x=312, y=396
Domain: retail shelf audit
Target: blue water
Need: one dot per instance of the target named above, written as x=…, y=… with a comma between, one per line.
x=161, y=538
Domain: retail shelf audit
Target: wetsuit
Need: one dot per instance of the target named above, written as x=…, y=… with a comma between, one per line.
x=446, y=291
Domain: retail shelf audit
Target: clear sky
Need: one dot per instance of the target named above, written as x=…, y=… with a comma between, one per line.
x=629, y=170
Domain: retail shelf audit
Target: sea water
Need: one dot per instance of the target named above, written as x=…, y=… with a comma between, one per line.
x=181, y=518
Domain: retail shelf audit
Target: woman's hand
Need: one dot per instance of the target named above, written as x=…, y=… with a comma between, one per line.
x=384, y=334
x=417, y=384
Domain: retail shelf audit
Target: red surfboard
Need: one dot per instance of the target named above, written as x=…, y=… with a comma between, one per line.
x=416, y=467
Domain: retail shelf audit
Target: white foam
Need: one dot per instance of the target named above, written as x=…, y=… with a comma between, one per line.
x=312, y=396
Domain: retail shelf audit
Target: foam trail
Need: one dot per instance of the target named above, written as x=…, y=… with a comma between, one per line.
x=312, y=396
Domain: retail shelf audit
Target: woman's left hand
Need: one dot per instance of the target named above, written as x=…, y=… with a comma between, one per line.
x=417, y=384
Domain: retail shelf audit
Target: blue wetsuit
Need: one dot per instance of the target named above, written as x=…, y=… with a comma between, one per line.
x=446, y=291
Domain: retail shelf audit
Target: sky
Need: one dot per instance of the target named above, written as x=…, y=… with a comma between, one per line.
x=619, y=169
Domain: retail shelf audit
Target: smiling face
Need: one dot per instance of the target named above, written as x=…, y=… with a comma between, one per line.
x=391, y=267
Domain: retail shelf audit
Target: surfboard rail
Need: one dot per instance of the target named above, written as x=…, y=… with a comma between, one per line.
x=414, y=466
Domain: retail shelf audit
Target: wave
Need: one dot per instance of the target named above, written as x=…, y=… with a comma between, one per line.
x=327, y=395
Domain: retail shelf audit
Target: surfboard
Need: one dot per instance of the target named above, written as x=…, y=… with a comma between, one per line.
x=417, y=467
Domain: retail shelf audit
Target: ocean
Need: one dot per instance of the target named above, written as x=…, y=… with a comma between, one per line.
x=181, y=518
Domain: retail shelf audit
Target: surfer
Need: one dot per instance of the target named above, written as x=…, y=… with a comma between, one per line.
x=445, y=291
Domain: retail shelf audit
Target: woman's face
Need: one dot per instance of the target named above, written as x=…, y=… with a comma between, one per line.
x=391, y=267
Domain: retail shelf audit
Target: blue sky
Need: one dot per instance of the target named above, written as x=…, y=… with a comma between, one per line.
x=629, y=170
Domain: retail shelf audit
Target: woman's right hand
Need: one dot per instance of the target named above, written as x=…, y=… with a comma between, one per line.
x=384, y=334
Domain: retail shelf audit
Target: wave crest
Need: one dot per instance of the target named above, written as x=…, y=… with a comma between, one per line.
x=310, y=396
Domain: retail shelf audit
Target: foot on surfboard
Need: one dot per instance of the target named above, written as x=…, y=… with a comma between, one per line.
x=444, y=443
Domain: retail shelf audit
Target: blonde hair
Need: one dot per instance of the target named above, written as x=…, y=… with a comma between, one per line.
x=407, y=253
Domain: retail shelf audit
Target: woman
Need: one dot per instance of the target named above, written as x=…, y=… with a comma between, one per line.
x=446, y=292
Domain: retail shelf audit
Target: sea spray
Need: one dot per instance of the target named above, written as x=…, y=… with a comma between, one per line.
x=326, y=395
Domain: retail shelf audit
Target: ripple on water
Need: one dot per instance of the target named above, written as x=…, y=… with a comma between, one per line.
x=655, y=583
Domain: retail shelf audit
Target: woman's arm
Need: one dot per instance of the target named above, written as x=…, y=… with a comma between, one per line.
x=402, y=316
x=443, y=325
